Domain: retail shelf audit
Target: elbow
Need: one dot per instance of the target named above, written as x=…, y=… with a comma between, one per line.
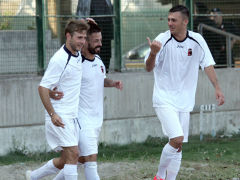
x=148, y=69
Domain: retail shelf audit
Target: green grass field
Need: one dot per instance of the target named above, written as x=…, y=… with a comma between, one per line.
x=216, y=150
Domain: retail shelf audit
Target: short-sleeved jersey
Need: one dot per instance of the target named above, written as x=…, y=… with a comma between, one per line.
x=64, y=71
x=91, y=94
x=176, y=70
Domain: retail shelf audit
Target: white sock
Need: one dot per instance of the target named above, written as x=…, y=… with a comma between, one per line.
x=167, y=155
x=70, y=172
x=174, y=166
x=90, y=169
x=45, y=170
x=60, y=176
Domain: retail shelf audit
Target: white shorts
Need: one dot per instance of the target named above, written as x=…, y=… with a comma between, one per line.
x=174, y=123
x=58, y=137
x=88, y=141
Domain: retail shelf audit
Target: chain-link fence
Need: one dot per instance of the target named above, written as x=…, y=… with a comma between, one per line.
x=31, y=31
x=149, y=18
x=140, y=19
x=223, y=15
x=18, y=36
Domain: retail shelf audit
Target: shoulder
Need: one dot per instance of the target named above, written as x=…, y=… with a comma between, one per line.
x=98, y=59
x=163, y=37
x=196, y=37
x=60, y=57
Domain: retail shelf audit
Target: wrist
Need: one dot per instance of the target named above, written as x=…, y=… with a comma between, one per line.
x=153, y=54
x=52, y=114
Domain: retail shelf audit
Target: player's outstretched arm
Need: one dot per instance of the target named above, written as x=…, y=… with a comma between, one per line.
x=213, y=78
x=155, y=47
x=111, y=83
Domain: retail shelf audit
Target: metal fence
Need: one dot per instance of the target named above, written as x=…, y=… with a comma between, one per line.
x=225, y=16
x=18, y=36
x=32, y=30
x=149, y=18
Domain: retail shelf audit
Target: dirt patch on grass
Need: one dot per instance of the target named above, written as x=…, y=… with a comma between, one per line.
x=140, y=170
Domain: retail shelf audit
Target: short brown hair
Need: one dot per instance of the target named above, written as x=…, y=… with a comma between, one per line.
x=75, y=25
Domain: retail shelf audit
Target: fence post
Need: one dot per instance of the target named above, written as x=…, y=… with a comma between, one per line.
x=189, y=5
x=117, y=36
x=40, y=34
x=229, y=51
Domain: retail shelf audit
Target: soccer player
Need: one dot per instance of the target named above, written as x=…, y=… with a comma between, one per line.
x=64, y=72
x=175, y=57
x=91, y=101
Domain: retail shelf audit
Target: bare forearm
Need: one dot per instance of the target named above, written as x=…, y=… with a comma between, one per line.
x=150, y=63
x=212, y=76
x=44, y=95
x=108, y=83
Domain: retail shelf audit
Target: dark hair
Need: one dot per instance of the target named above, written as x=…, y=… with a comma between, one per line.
x=216, y=10
x=93, y=28
x=74, y=25
x=180, y=8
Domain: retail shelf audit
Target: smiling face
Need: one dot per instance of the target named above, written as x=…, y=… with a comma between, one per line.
x=177, y=23
x=94, y=43
x=76, y=40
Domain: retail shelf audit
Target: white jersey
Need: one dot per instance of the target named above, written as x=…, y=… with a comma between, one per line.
x=176, y=70
x=64, y=71
x=91, y=95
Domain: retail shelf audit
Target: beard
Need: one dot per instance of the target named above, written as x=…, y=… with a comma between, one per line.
x=74, y=47
x=94, y=50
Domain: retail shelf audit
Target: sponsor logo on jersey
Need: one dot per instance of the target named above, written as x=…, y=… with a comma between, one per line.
x=102, y=69
x=179, y=46
x=189, y=52
x=94, y=65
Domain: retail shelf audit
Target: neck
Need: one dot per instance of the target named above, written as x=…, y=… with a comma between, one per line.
x=181, y=36
x=70, y=49
x=86, y=54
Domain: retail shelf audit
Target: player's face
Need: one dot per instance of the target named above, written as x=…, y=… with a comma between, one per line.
x=177, y=23
x=95, y=43
x=77, y=40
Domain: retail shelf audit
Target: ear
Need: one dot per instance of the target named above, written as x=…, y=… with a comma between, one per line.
x=185, y=21
x=68, y=35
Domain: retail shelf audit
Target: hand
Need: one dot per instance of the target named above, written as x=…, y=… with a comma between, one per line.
x=57, y=121
x=91, y=20
x=56, y=95
x=219, y=97
x=155, y=46
x=118, y=85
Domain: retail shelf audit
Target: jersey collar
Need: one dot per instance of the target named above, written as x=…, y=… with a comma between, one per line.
x=183, y=39
x=69, y=52
x=84, y=58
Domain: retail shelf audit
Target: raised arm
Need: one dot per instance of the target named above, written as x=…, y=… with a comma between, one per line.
x=213, y=78
x=155, y=47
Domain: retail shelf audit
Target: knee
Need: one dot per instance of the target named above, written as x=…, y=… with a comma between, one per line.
x=177, y=142
x=59, y=162
x=90, y=158
x=71, y=154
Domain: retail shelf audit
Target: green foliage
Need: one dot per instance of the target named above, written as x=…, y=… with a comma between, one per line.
x=5, y=22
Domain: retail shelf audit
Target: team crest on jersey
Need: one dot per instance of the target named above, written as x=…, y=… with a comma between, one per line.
x=189, y=52
x=102, y=69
